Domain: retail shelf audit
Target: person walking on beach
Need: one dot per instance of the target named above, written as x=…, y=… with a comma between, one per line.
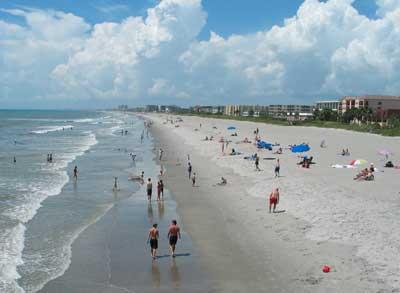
x=174, y=233
x=153, y=240
x=149, y=189
x=159, y=190
x=75, y=172
x=277, y=168
x=273, y=199
x=189, y=169
x=194, y=179
x=257, y=162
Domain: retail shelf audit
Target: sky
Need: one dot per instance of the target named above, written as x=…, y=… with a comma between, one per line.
x=101, y=53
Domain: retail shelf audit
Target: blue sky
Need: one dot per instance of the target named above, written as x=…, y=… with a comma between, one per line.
x=66, y=53
x=224, y=17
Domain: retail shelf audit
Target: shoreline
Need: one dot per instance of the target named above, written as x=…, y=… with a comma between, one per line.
x=111, y=254
x=284, y=247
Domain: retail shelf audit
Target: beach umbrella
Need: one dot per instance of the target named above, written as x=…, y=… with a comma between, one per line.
x=300, y=148
x=231, y=128
x=358, y=162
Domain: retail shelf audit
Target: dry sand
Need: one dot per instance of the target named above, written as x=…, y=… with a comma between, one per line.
x=328, y=218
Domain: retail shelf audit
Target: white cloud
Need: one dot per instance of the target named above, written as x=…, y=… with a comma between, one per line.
x=326, y=49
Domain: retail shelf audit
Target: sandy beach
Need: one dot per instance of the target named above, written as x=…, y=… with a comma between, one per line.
x=325, y=217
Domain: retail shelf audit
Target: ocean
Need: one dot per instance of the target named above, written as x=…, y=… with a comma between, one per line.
x=43, y=209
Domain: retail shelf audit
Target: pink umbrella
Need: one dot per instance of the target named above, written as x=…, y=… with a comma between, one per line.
x=385, y=152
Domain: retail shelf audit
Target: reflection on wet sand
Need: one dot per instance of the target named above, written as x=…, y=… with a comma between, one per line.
x=174, y=274
x=150, y=212
x=155, y=275
x=160, y=205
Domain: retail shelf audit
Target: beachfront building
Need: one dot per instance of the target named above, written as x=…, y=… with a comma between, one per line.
x=382, y=107
x=232, y=110
x=246, y=110
x=333, y=105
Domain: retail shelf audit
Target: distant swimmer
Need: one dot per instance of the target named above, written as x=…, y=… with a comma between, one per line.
x=174, y=233
x=75, y=172
x=153, y=240
x=273, y=199
x=149, y=188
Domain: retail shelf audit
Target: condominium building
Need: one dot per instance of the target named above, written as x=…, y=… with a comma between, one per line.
x=381, y=106
x=289, y=110
x=333, y=105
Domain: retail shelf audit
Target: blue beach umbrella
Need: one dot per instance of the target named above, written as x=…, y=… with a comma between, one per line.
x=231, y=128
x=300, y=148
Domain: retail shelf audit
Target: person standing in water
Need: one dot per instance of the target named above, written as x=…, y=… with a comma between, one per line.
x=174, y=233
x=159, y=190
x=162, y=189
x=160, y=154
x=153, y=240
x=277, y=168
x=75, y=172
x=115, y=188
x=149, y=189
x=273, y=199
x=15, y=160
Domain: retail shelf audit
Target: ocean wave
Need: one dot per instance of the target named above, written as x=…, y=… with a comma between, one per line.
x=31, y=196
x=47, y=129
x=60, y=257
x=85, y=120
x=11, y=246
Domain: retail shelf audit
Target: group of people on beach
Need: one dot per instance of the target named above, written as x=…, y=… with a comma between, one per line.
x=366, y=174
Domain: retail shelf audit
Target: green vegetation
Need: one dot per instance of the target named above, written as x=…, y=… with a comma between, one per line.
x=325, y=119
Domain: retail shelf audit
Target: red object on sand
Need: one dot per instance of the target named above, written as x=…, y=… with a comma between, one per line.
x=326, y=269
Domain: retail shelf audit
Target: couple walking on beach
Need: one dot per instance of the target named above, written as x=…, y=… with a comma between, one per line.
x=173, y=234
x=160, y=189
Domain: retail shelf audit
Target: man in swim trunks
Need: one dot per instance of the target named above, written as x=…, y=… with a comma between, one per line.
x=273, y=199
x=149, y=188
x=153, y=240
x=174, y=233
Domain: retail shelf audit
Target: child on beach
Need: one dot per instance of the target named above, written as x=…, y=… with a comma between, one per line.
x=273, y=199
